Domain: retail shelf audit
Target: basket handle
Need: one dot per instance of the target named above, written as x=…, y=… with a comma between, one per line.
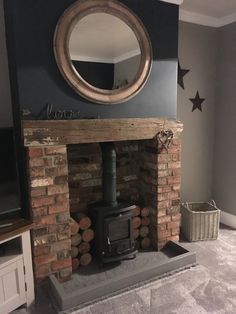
x=187, y=205
x=213, y=203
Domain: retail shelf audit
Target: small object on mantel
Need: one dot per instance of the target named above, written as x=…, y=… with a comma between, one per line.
x=165, y=138
x=63, y=114
x=26, y=112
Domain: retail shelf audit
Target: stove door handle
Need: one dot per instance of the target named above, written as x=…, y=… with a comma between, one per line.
x=123, y=251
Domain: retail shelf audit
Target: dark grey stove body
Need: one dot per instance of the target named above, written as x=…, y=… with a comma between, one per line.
x=112, y=221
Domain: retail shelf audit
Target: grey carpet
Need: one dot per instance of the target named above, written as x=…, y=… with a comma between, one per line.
x=209, y=287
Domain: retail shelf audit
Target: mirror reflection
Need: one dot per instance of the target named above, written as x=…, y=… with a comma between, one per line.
x=104, y=51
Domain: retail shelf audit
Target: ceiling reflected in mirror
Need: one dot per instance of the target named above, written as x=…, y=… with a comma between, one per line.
x=105, y=51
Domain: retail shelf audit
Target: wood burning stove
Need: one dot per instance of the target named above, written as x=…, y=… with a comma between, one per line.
x=112, y=221
x=113, y=233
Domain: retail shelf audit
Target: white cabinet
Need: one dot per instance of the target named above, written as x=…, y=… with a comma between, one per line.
x=12, y=288
x=16, y=275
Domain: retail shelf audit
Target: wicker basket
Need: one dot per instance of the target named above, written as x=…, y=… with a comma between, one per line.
x=200, y=221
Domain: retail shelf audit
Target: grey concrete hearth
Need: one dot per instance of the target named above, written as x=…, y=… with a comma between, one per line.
x=92, y=283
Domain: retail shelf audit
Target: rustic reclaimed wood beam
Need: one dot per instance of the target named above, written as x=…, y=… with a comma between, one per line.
x=64, y=132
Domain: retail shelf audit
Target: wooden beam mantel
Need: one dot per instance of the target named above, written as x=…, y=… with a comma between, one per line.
x=63, y=132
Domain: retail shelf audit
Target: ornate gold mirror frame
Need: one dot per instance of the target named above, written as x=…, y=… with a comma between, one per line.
x=65, y=26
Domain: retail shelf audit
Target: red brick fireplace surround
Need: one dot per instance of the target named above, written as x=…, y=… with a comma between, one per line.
x=48, y=147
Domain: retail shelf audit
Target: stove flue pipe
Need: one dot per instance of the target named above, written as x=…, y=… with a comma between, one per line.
x=109, y=173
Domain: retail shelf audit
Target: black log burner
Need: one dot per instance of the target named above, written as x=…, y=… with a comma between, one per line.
x=112, y=220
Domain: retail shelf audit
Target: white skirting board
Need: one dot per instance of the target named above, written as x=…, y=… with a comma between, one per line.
x=228, y=219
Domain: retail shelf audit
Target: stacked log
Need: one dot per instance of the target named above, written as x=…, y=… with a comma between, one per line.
x=136, y=223
x=81, y=236
x=141, y=227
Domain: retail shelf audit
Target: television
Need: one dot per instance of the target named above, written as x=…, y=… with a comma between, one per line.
x=10, y=202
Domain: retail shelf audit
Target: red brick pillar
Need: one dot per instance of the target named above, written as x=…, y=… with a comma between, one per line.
x=160, y=189
x=168, y=193
x=49, y=201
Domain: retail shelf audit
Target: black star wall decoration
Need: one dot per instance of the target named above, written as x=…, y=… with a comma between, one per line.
x=181, y=74
x=197, y=102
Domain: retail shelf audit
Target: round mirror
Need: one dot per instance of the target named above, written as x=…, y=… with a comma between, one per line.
x=103, y=51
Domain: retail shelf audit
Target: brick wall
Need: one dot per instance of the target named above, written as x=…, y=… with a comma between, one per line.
x=85, y=173
x=160, y=172
x=49, y=200
x=64, y=180
x=146, y=175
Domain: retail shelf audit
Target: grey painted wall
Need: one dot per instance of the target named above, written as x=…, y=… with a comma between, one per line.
x=37, y=80
x=5, y=96
x=127, y=69
x=224, y=186
x=197, y=52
